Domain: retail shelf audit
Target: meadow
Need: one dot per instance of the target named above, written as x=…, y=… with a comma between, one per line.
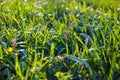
x=59, y=39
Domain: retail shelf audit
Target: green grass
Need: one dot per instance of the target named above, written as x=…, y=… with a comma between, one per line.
x=59, y=39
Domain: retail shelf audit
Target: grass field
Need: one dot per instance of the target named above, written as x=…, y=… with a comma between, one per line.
x=59, y=39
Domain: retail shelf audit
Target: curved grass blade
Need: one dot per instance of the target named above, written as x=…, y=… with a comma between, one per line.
x=81, y=61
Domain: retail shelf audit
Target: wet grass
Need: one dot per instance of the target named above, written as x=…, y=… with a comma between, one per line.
x=59, y=40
